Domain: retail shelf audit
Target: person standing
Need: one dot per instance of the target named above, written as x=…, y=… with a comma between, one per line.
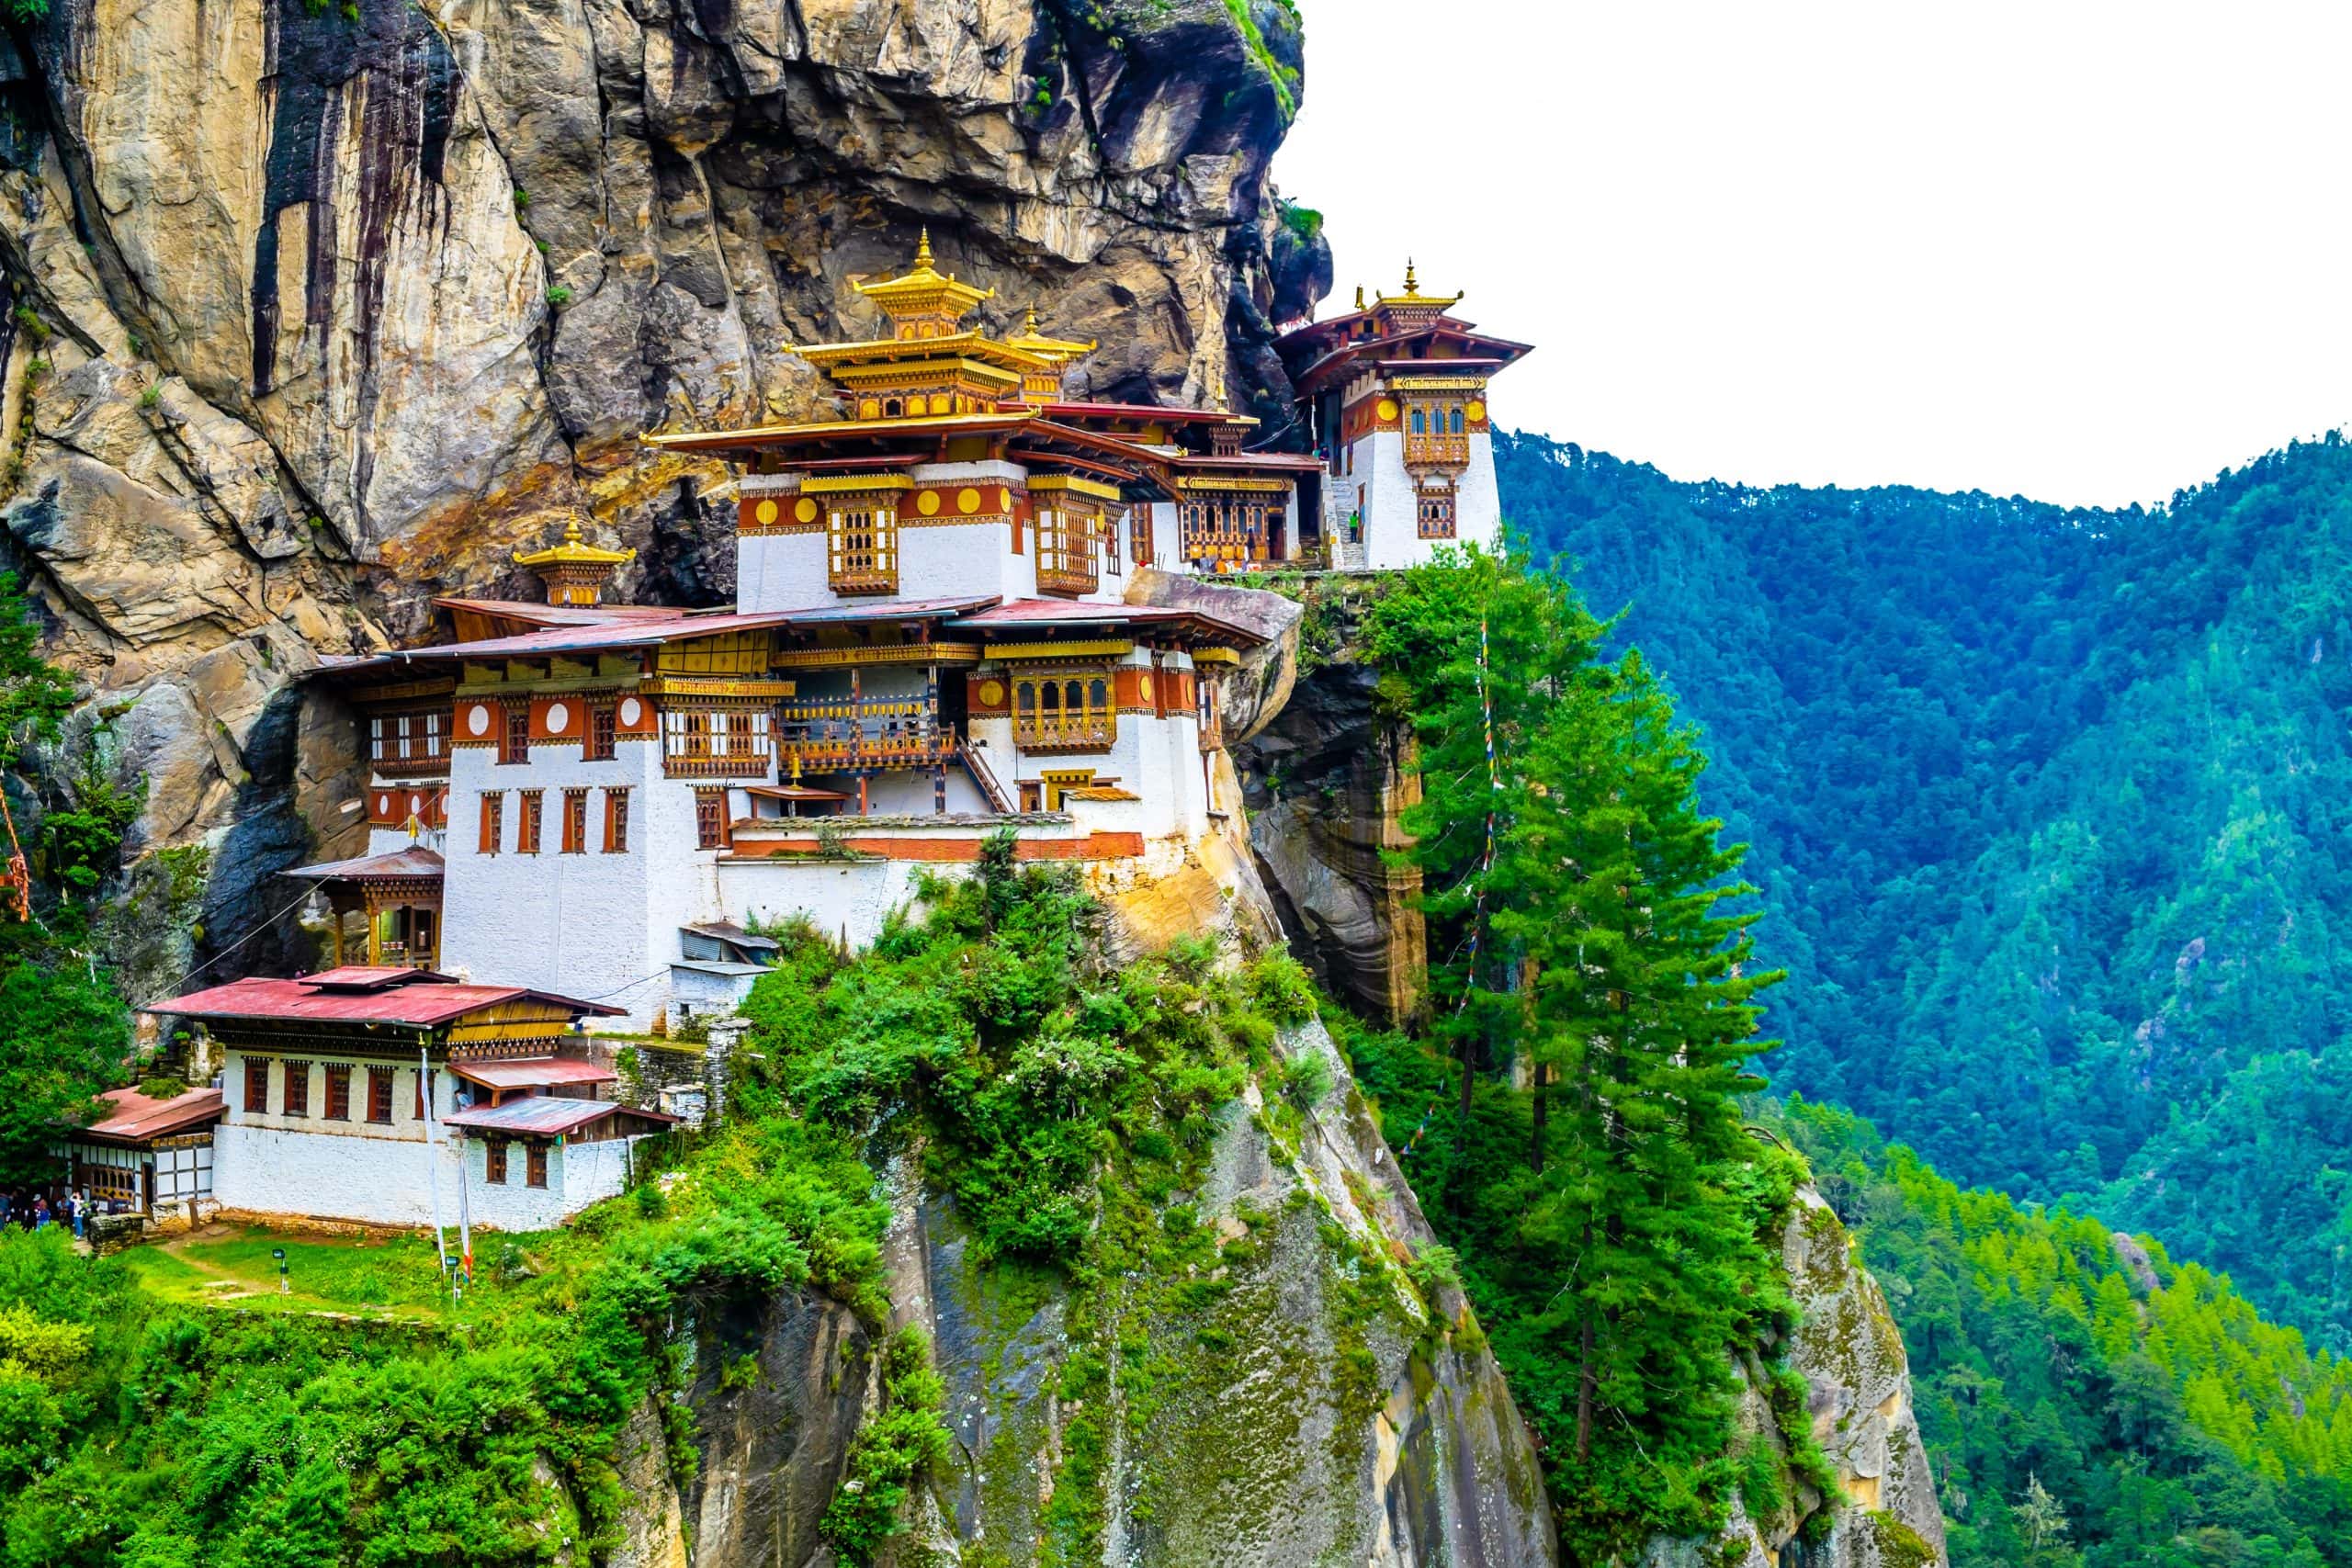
x=40, y=1214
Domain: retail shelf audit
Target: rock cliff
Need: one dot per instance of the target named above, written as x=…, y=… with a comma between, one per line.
x=317, y=309
x=1277, y=1390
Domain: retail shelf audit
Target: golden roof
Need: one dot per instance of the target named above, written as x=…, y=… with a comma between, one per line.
x=573, y=552
x=924, y=291
x=1414, y=296
x=1055, y=349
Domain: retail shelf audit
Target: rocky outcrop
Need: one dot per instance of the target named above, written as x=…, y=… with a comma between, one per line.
x=1325, y=780
x=1306, y=1401
x=1858, y=1402
x=316, y=311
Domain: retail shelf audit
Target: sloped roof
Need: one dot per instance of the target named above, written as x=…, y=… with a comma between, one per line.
x=132, y=1116
x=546, y=1114
x=533, y=1072
x=1018, y=615
x=347, y=996
x=412, y=861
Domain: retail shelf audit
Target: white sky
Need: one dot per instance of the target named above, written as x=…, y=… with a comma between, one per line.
x=2087, y=253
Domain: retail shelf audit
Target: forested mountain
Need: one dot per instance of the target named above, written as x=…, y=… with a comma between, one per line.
x=2049, y=811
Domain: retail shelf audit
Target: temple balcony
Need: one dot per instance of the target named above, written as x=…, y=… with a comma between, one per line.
x=1072, y=732
x=1437, y=452
x=846, y=733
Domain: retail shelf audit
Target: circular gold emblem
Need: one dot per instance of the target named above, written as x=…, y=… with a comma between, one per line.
x=991, y=693
x=967, y=501
x=927, y=502
x=1143, y=687
x=764, y=512
x=1004, y=501
x=1475, y=410
x=806, y=510
x=1386, y=411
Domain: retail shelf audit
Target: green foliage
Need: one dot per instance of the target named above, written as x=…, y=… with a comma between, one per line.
x=63, y=1035
x=151, y=396
x=34, y=694
x=80, y=845
x=2050, y=809
x=1303, y=221
x=1609, y=1218
x=990, y=1028
x=2077, y=1411
x=187, y=1435
x=1280, y=77
x=889, y=1453
x=558, y=296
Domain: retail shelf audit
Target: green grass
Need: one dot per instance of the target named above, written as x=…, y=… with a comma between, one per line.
x=327, y=1273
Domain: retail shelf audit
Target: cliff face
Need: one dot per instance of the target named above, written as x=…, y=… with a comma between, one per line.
x=1325, y=780
x=1288, y=1397
x=319, y=310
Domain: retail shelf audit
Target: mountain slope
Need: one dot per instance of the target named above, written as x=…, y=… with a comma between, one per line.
x=2049, y=809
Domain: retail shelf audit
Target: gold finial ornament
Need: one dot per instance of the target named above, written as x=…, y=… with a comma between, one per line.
x=1410, y=286
x=922, y=249
x=1413, y=298
x=1359, y=296
x=574, y=570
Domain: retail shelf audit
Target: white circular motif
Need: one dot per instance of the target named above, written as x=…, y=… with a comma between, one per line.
x=478, y=720
x=557, y=716
x=629, y=711
x=416, y=805
x=383, y=805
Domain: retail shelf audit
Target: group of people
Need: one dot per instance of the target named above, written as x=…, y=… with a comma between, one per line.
x=42, y=1207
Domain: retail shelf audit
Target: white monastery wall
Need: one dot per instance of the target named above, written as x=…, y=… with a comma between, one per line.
x=833, y=895
x=342, y=1174
x=1478, y=502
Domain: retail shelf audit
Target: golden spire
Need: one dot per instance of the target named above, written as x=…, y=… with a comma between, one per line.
x=922, y=249
x=1413, y=295
x=1359, y=296
x=1410, y=286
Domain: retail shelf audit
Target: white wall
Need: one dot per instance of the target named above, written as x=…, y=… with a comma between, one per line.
x=339, y=1175
x=578, y=1175
x=856, y=896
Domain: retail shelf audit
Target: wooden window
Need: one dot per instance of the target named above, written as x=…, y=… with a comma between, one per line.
x=424, y=1087
x=297, y=1094
x=711, y=819
x=379, y=1096
x=493, y=803
x=493, y=1162
x=1063, y=711
x=862, y=546
x=1434, y=511
x=603, y=727
x=527, y=824
x=1067, y=532
x=715, y=742
x=1139, y=534
x=617, y=821
x=535, y=1167
x=256, y=1086
x=515, y=739
x=338, y=1092
x=416, y=741
x=575, y=821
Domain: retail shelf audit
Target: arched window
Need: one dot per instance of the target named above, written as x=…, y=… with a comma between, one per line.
x=1456, y=418
x=892, y=408
x=1420, y=423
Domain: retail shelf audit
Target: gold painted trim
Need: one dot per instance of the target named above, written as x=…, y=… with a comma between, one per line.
x=714, y=686
x=1074, y=484
x=888, y=654
x=852, y=484
x=1215, y=655
x=1439, y=383
x=1113, y=648
x=775, y=530
x=942, y=519
x=1232, y=483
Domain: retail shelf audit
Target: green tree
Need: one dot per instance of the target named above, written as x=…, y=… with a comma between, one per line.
x=64, y=1036
x=1609, y=1221
x=34, y=694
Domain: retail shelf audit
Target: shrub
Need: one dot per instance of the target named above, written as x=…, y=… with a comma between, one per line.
x=558, y=296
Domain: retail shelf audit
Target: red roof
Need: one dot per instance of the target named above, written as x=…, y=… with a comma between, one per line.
x=135, y=1117
x=640, y=632
x=533, y=1072
x=1018, y=613
x=413, y=860
x=336, y=998
x=548, y=1116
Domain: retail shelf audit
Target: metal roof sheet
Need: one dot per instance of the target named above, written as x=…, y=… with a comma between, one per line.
x=412, y=861
x=533, y=1072
x=546, y=1114
x=416, y=1005
x=131, y=1115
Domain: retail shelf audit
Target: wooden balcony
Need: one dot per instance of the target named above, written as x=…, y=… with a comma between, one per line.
x=420, y=766
x=1437, y=451
x=1069, y=579
x=843, y=734
x=1066, y=732
x=743, y=762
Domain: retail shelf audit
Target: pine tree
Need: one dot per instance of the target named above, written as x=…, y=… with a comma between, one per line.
x=1581, y=936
